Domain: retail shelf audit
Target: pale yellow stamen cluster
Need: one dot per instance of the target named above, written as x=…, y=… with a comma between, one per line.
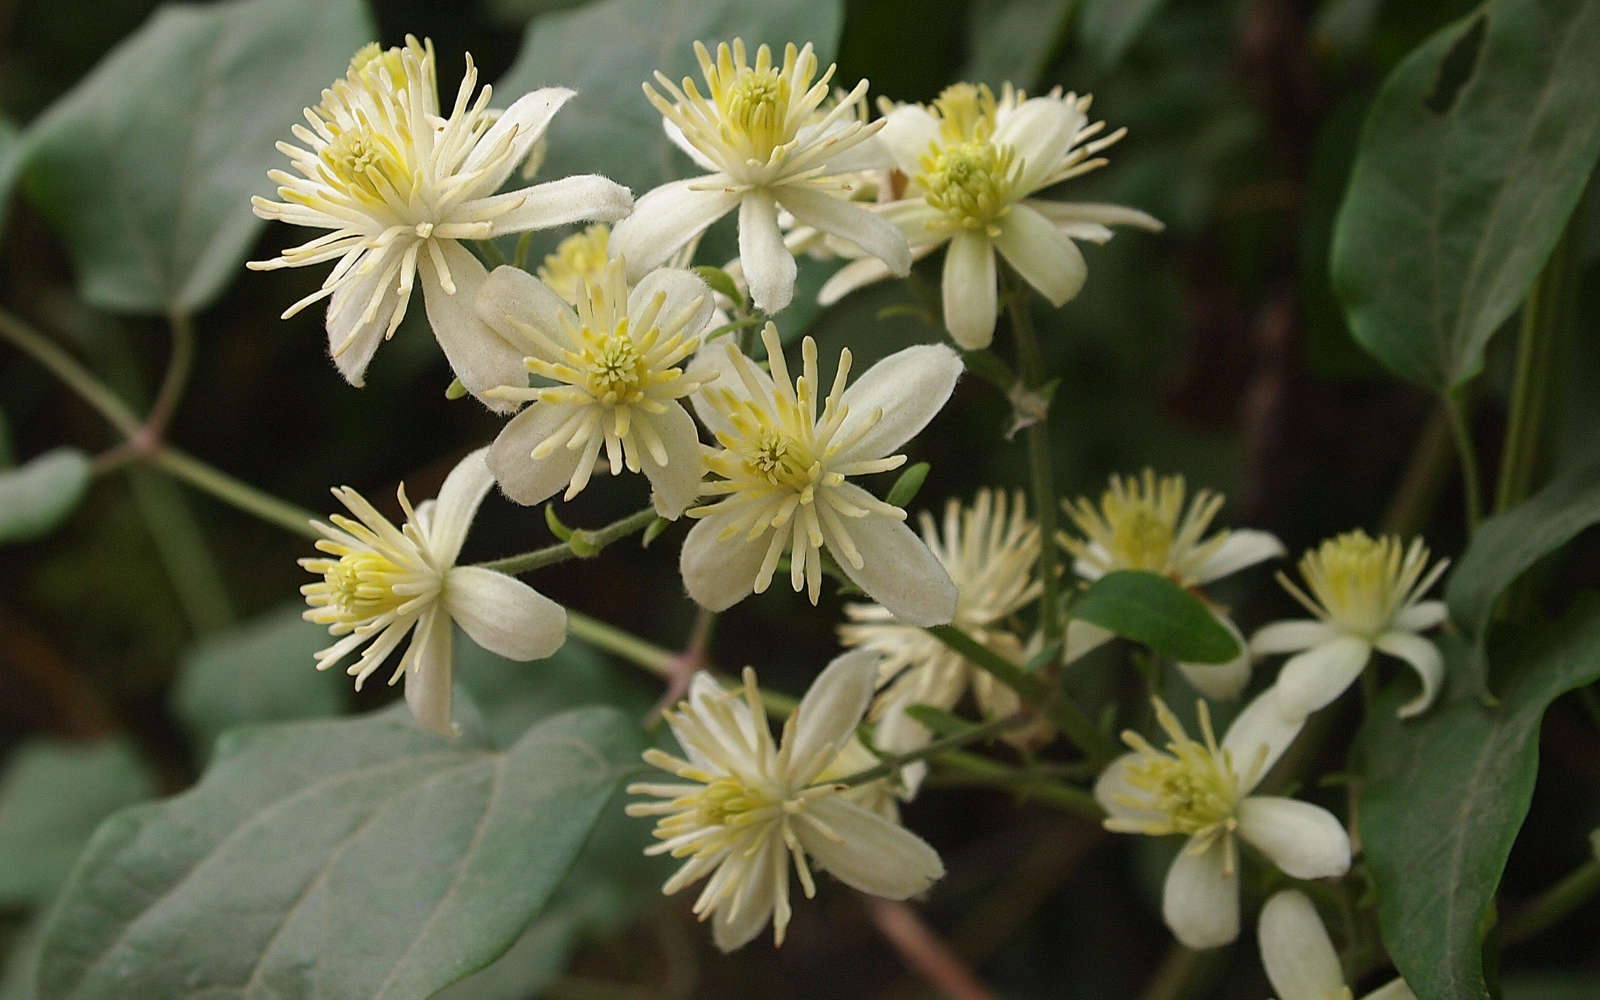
x=1141, y=524
x=1360, y=583
x=779, y=464
x=578, y=259
x=1192, y=788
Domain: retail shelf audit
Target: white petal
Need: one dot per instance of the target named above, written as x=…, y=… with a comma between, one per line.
x=1291, y=636
x=677, y=138
x=829, y=713
x=1221, y=681
x=1241, y=548
x=908, y=387
x=1200, y=900
x=523, y=478
x=480, y=357
x=769, y=267
x=1041, y=130
x=1424, y=659
x=676, y=485
x=856, y=274
x=874, y=855
x=1064, y=213
x=734, y=927
x=1422, y=615
x=1260, y=724
x=682, y=289
x=712, y=368
x=511, y=293
x=504, y=615
x=870, y=153
x=969, y=291
x=849, y=221
x=451, y=515
x=908, y=131
x=718, y=572
x=1295, y=950
x=1042, y=254
x=345, y=329
x=1303, y=840
x=897, y=569
x=1314, y=678
x=580, y=198
x=428, y=675
x=529, y=115
x=1114, y=792
x=665, y=219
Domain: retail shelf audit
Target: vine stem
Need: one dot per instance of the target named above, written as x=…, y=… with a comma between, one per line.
x=236, y=492
x=1470, y=482
x=1056, y=706
x=1546, y=316
x=892, y=763
x=1550, y=906
x=67, y=368
x=1030, y=368
x=582, y=545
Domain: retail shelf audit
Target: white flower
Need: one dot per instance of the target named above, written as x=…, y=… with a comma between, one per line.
x=578, y=259
x=748, y=807
x=383, y=580
x=1300, y=961
x=1141, y=524
x=974, y=164
x=761, y=133
x=782, y=474
x=1202, y=790
x=990, y=558
x=614, y=368
x=895, y=732
x=400, y=184
x=1366, y=594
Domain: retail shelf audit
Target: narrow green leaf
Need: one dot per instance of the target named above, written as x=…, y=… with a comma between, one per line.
x=1507, y=544
x=605, y=50
x=1472, y=158
x=1151, y=609
x=425, y=857
x=936, y=720
x=263, y=671
x=1446, y=794
x=52, y=796
x=39, y=494
x=908, y=484
x=720, y=282
x=147, y=166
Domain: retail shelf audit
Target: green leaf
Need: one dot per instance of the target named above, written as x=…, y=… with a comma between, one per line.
x=1472, y=158
x=1012, y=40
x=908, y=484
x=720, y=282
x=1446, y=794
x=147, y=166
x=52, y=796
x=264, y=671
x=39, y=494
x=1507, y=544
x=422, y=857
x=605, y=51
x=1151, y=609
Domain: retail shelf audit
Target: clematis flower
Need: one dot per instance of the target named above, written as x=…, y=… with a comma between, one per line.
x=782, y=479
x=617, y=382
x=400, y=184
x=975, y=164
x=577, y=260
x=895, y=732
x=1202, y=790
x=1300, y=961
x=383, y=583
x=762, y=133
x=1141, y=523
x=989, y=549
x=1366, y=594
x=746, y=808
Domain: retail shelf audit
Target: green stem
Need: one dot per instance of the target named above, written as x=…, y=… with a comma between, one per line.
x=1056, y=706
x=1470, y=483
x=583, y=545
x=1030, y=367
x=66, y=368
x=234, y=491
x=962, y=769
x=892, y=763
x=1546, y=316
x=197, y=581
x=639, y=652
x=1556, y=902
x=174, y=381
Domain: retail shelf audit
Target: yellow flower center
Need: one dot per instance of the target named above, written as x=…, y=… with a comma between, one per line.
x=360, y=587
x=577, y=260
x=373, y=60
x=1192, y=785
x=782, y=461
x=966, y=113
x=970, y=182
x=369, y=167
x=616, y=373
x=755, y=103
x=1141, y=535
x=1195, y=795
x=1359, y=582
x=727, y=801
